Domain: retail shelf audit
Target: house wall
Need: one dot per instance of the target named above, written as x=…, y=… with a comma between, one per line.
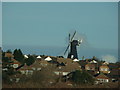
x=100, y=80
x=61, y=73
x=26, y=72
x=89, y=68
x=104, y=70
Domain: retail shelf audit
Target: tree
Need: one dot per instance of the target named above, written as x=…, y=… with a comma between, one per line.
x=18, y=55
x=30, y=60
x=82, y=77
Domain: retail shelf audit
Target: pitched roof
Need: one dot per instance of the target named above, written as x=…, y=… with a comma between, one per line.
x=106, y=63
x=48, y=59
x=70, y=65
x=25, y=67
x=102, y=76
x=75, y=60
x=90, y=65
x=38, y=56
x=93, y=61
x=15, y=62
x=104, y=66
x=8, y=54
x=66, y=61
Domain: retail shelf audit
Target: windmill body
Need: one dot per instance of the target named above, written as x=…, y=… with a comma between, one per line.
x=73, y=50
x=73, y=47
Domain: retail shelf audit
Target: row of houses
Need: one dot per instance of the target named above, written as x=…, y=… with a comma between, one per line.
x=64, y=66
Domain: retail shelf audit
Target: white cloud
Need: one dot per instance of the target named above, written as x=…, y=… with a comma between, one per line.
x=109, y=58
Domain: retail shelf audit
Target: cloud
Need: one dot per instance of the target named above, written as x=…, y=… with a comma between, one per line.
x=109, y=58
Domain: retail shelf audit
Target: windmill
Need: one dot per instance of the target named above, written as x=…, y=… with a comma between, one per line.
x=72, y=47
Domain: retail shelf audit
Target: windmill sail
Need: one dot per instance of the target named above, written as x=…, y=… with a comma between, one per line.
x=66, y=49
x=73, y=35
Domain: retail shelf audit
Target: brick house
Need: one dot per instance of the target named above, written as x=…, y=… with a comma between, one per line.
x=69, y=66
x=90, y=66
x=9, y=55
x=104, y=69
x=15, y=63
x=26, y=70
x=101, y=78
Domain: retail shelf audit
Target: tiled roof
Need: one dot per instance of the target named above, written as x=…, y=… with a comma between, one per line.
x=102, y=76
x=8, y=55
x=25, y=67
x=70, y=65
x=104, y=66
x=90, y=65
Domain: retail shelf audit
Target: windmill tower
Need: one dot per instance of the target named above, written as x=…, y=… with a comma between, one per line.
x=72, y=45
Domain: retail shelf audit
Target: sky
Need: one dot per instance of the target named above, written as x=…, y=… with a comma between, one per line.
x=0, y=24
x=48, y=24
x=60, y=0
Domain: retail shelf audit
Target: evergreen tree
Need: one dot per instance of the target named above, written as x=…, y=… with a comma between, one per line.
x=18, y=55
x=82, y=77
x=30, y=60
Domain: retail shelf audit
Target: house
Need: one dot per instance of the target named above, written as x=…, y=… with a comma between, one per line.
x=36, y=65
x=48, y=59
x=101, y=78
x=105, y=63
x=82, y=64
x=104, y=69
x=114, y=71
x=43, y=63
x=15, y=78
x=68, y=66
x=38, y=57
x=26, y=70
x=9, y=55
x=90, y=66
x=93, y=61
x=114, y=75
x=15, y=63
x=76, y=60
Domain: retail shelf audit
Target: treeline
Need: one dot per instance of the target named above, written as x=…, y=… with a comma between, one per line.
x=19, y=56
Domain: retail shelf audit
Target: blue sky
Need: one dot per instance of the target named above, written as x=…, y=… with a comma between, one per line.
x=48, y=24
